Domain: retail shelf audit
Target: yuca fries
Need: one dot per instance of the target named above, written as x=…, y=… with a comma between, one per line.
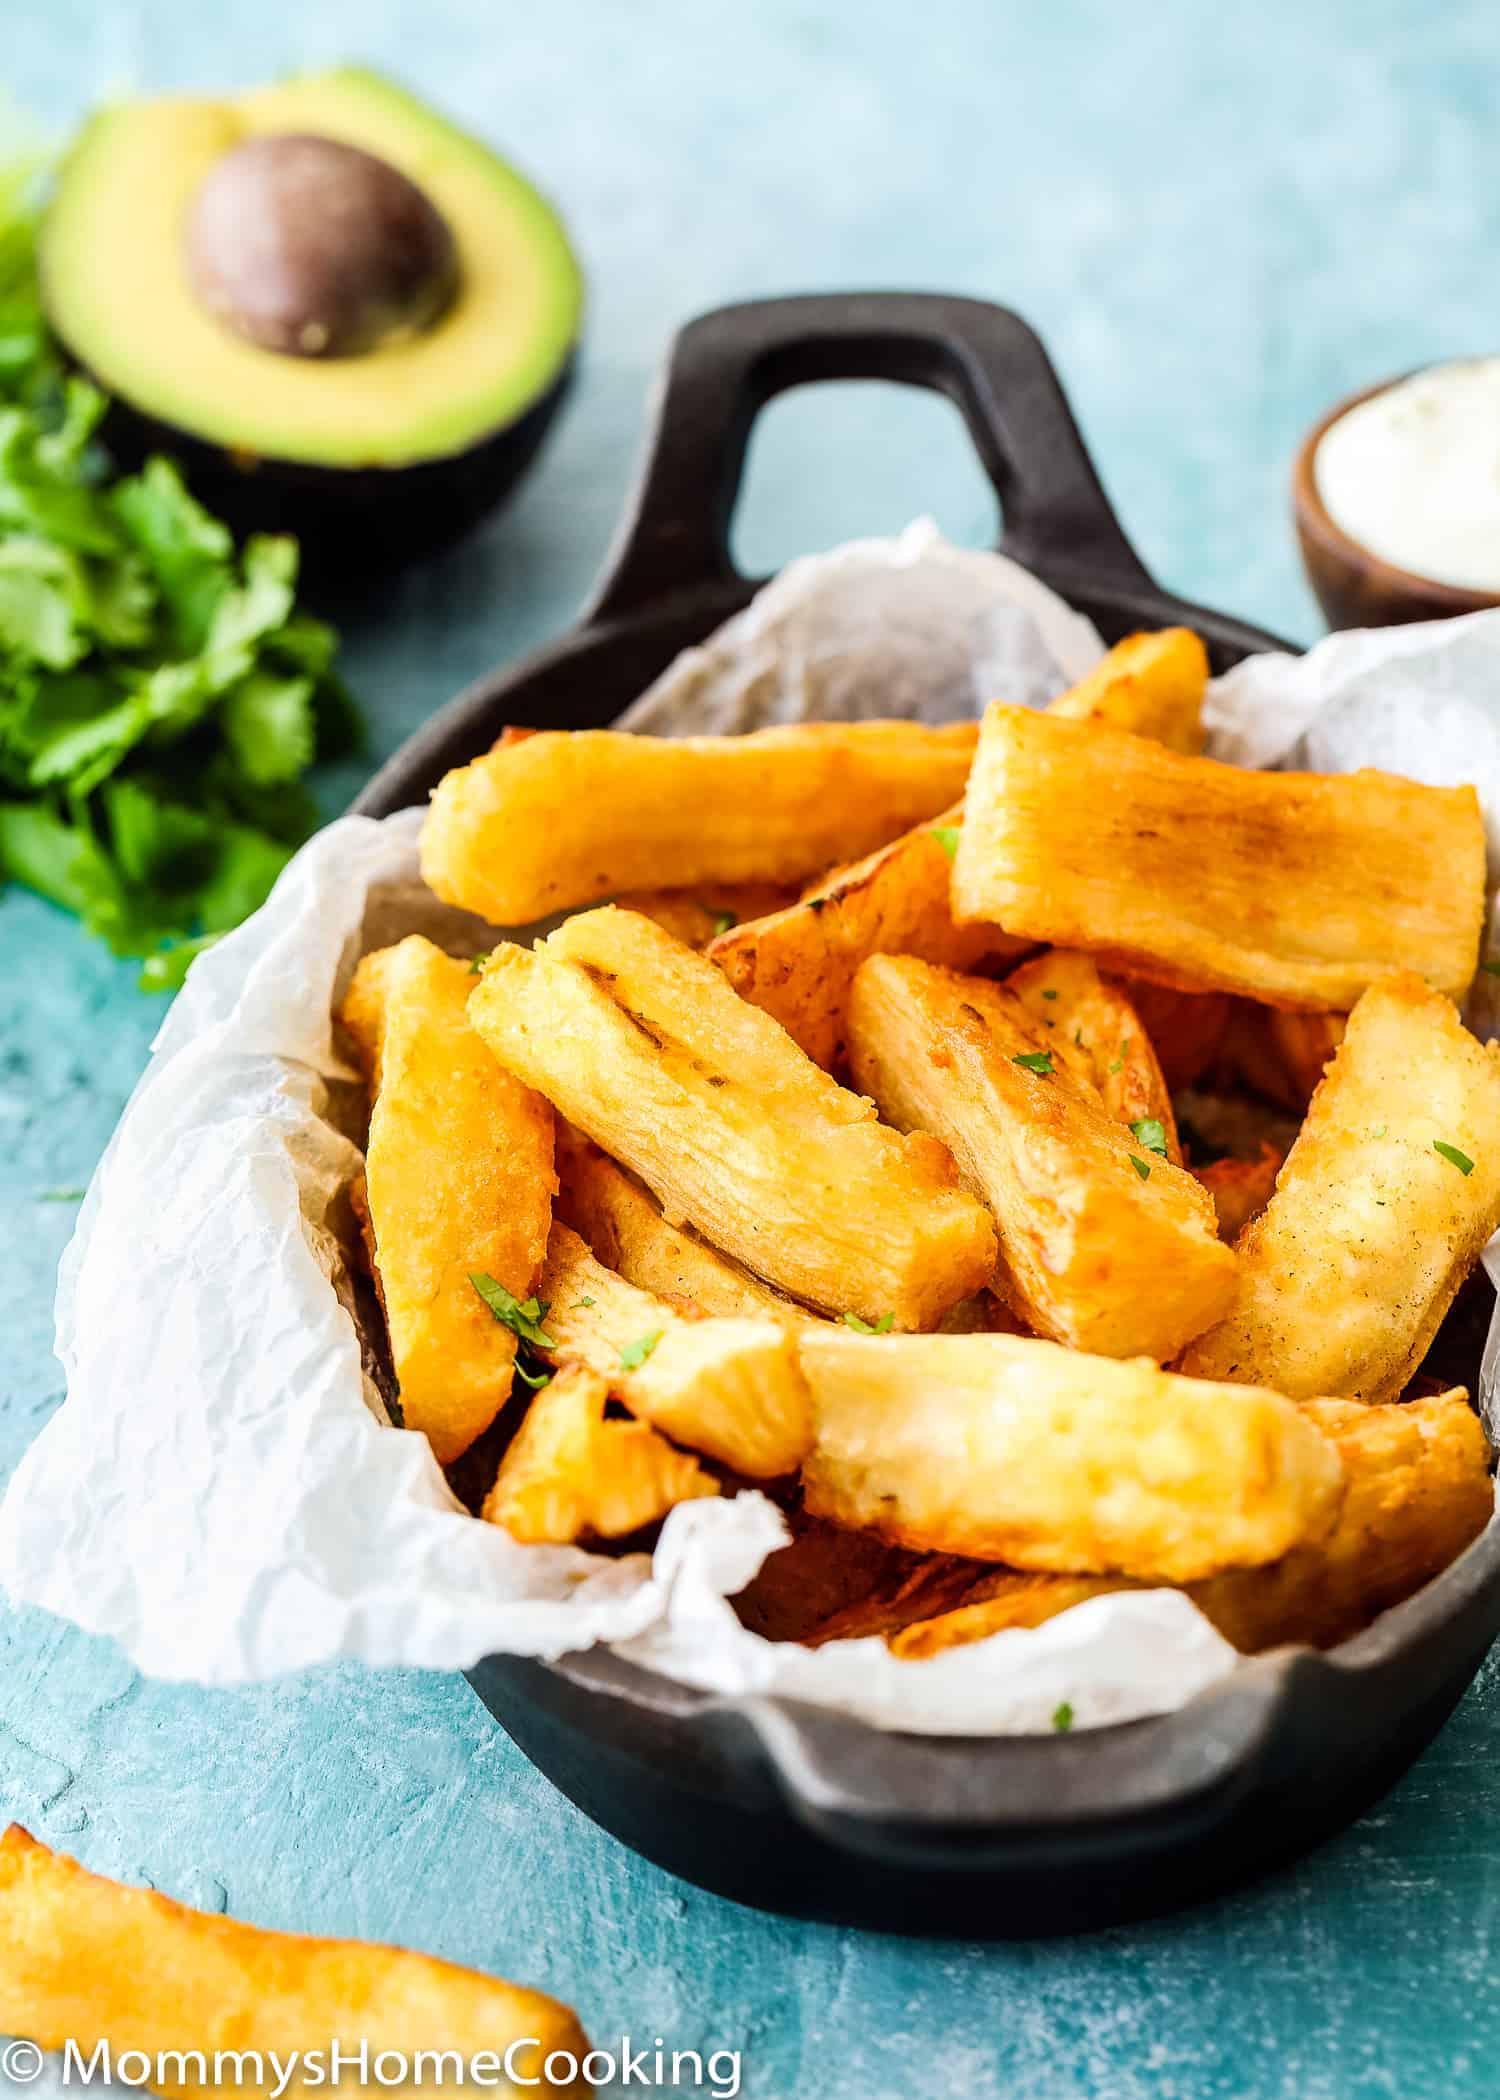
x=1279, y=1054
x=1185, y=1029
x=1418, y=1493
x=570, y=1474
x=85, y=1961
x=798, y=964
x=623, y=1224
x=1020, y=1451
x=1295, y=888
x=1091, y=1025
x=642, y=1044
x=565, y=818
x=731, y=1388
x=1104, y=1244
x=458, y=1178
x=1385, y=1201
x=1152, y=684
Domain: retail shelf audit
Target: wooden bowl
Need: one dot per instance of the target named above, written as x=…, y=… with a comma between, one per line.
x=1355, y=587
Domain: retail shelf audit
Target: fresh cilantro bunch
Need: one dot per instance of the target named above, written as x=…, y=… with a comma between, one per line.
x=161, y=696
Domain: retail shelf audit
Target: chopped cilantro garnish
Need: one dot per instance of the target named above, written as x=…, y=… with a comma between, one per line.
x=882, y=1326
x=585, y=1302
x=523, y=1317
x=534, y=1379
x=1035, y=1061
x=61, y=1195
x=1062, y=1719
x=634, y=1354
x=1491, y=968
x=1078, y=1037
x=1150, y=1133
x=723, y=920
x=161, y=693
x=1455, y=1158
x=816, y=905
x=476, y=967
x=1142, y=1167
x=1119, y=1061
x=1049, y=992
x=947, y=837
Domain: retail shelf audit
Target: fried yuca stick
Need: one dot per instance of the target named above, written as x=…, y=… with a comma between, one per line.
x=1009, y=1449
x=798, y=964
x=1277, y=1054
x=732, y=1388
x=642, y=1044
x=1104, y=1244
x=1418, y=1493
x=1090, y=1024
x=458, y=1179
x=1241, y=1188
x=1151, y=684
x=569, y=816
x=570, y=1474
x=83, y=1960
x=1381, y=1209
x=623, y=1224
x=1298, y=889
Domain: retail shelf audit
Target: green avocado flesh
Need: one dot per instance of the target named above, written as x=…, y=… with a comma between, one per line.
x=117, y=289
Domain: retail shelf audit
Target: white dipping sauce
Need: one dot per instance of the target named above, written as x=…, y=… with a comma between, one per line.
x=1413, y=473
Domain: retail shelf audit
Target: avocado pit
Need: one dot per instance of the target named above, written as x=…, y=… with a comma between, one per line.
x=313, y=248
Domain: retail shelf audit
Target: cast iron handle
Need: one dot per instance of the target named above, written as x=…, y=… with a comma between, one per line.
x=725, y=366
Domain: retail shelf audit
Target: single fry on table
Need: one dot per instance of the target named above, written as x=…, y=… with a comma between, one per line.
x=1008, y=1449
x=1104, y=1243
x=458, y=1178
x=85, y=1961
x=568, y=817
x=1298, y=889
x=641, y=1043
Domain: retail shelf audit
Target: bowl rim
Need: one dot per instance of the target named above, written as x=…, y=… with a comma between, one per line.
x=1315, y=522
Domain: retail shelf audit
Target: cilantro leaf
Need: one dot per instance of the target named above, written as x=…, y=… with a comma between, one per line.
x=947, y=837
x=1039, y=1061
x=723, y=920
x=882, y=1326
x=1142, y=1166
x=523, y=1317
x=1454, y=1157
x=1062, y=1717
x=1149, y=1133
x=634, y=1354
x=535, y=1379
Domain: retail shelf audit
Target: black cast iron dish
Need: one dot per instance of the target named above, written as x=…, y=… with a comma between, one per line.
x=784, y=1805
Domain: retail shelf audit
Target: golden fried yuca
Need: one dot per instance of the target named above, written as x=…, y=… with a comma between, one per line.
x=623, y=1224
x=824, y=1571
x=642, y=1044
x=1381, y=1209
x=85, y=1961
x=1185, y=1029
x=1279, y=1054
x=1104, y=1243
x=1152, y=684
x=1240, y=1188
x=1298, y=889
x=1090, y=1024
x=1418, y=1493
x=569, y=1473
x=730, y=1387
x=458, y=1179
x=1017, y=1450
x=566, y=817
x=701, y=915
x=798, y=964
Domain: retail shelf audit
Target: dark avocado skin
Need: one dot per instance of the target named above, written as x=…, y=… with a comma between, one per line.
x=354, y=523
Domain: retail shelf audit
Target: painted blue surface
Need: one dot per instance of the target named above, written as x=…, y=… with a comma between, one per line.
x=1219, y=218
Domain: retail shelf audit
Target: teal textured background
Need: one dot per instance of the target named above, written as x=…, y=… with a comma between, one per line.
x=1218, y=218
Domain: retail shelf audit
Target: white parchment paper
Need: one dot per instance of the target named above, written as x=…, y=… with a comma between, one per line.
x=221, y=1490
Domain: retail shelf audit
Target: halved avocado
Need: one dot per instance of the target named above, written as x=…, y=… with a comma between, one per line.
x=441, y=296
